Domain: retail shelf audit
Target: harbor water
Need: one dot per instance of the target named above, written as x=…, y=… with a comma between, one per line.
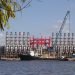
x=37, y=67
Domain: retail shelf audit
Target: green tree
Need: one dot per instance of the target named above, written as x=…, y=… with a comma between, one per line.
x=8, y=8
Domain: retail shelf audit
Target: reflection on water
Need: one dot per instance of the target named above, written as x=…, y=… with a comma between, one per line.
x=37, y=67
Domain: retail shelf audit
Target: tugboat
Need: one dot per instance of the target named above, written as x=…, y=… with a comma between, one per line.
x=28, y=56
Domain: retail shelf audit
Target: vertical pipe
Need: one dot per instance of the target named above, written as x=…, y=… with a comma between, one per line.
x=64, y=39
x=52, y=39
x=7, y=41
x=23, y=41
x=64, y=42
x=28, y=41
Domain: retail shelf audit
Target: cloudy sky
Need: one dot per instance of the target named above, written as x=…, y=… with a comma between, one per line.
x=43, y=18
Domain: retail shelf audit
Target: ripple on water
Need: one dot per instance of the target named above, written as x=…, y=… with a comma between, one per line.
x=37, y=67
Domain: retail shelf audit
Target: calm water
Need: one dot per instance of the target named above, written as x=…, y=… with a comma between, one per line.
x=37, y=67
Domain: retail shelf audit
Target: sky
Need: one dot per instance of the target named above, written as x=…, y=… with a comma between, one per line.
x=43, y=17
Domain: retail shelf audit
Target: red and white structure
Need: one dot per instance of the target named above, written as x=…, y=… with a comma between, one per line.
x=40, y=42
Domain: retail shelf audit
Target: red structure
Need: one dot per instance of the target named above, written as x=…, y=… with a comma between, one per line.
x=34, y=42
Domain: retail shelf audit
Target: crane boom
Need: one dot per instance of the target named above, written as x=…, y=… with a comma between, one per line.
x=64, y=21
x=61, y=28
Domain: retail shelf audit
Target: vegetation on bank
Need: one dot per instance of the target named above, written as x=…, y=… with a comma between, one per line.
x=8, y=8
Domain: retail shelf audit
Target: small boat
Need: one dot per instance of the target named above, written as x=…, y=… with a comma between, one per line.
x=28, y=56
x=62, y=58
x=72, y=57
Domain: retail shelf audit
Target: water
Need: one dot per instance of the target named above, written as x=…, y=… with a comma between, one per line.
x=37, y=67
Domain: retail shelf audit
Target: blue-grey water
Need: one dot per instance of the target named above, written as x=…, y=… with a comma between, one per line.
x=37, y=67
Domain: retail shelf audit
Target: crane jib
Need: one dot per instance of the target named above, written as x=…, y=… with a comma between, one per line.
x=60, y=30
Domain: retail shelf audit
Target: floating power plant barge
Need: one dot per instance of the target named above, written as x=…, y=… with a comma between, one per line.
x=21, y=45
